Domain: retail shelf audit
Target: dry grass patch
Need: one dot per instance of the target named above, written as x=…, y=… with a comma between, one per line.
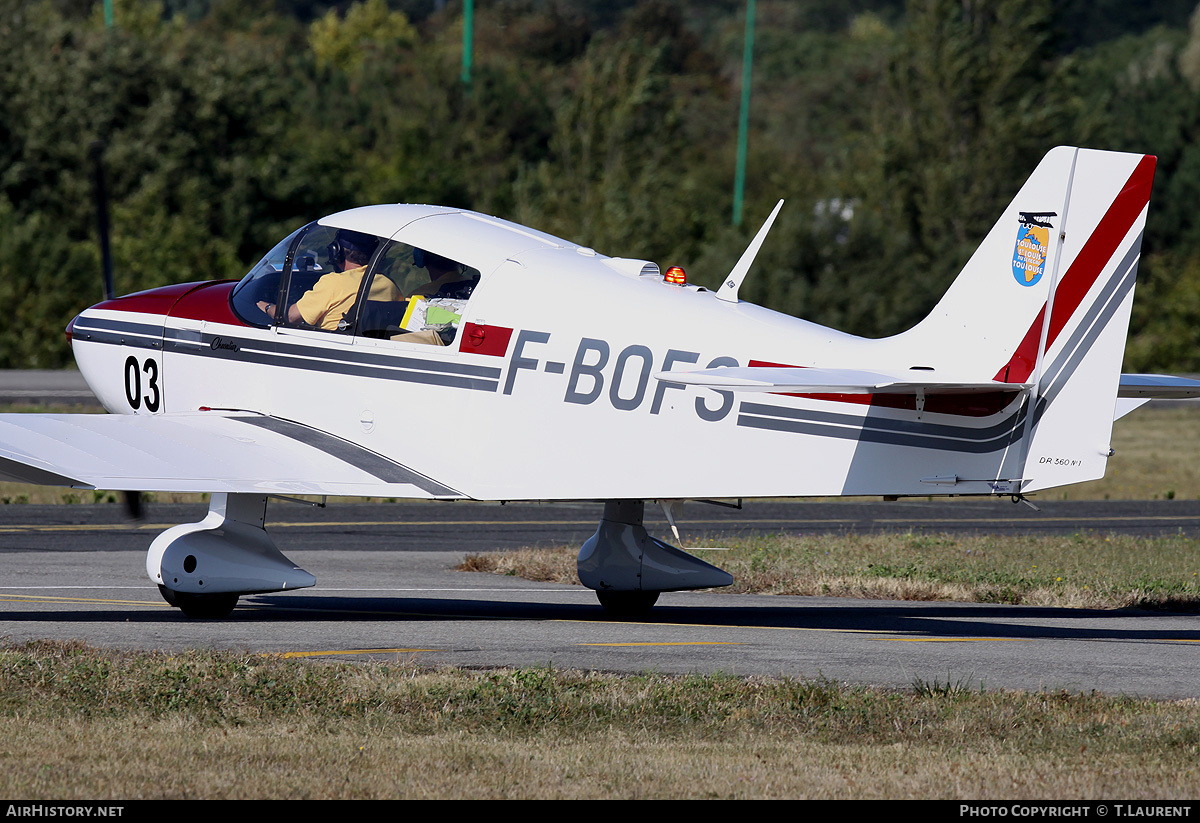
x=1157, y=458
x=176, y=760
x=543, y=565
x=81, y=723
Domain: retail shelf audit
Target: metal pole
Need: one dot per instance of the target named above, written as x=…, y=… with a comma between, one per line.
x=100, y=190
x=108, y=14
x=468, y=39
x=739, y=182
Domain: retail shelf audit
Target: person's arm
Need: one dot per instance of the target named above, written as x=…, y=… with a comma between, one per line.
x=293, y=313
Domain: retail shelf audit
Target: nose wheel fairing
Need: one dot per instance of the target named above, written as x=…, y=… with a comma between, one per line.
x=227, y=553
x=622, y=557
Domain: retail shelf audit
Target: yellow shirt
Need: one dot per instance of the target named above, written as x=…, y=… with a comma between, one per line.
x=331, y=297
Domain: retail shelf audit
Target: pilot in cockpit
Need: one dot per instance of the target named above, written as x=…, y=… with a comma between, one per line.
x=324, y=305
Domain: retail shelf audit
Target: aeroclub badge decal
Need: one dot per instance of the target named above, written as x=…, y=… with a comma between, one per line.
x=1033, y=242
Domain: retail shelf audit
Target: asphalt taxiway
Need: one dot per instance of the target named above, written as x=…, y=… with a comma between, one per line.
x=385, y=589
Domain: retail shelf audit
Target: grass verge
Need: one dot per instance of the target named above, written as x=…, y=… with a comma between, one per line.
x=77, y=722
x=1075, y=571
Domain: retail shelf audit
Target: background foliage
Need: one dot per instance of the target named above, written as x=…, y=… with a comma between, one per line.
x=896, y=131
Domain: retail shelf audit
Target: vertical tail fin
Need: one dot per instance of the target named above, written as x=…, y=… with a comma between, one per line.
x=1045, y=301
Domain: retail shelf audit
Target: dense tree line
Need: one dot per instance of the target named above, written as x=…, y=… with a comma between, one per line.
x=897, y=132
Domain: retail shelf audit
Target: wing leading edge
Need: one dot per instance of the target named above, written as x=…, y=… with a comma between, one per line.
x=234, y=452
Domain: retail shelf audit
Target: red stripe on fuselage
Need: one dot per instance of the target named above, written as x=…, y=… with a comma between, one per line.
x=152, y=301
x=1079, y=279
x=210, y=302
x=195, y=301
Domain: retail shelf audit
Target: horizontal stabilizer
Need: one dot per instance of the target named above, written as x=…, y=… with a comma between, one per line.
x=830, y=381
x=1158, y=385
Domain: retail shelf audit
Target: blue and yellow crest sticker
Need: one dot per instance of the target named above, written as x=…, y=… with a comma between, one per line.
x=1033, y=242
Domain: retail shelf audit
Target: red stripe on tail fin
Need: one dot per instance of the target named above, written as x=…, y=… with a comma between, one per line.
x=1088, y=264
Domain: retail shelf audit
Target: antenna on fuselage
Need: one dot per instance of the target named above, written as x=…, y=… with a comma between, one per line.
x=729, y=289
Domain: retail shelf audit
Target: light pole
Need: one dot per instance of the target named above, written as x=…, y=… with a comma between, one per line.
x=468, y=39
x=739, y=181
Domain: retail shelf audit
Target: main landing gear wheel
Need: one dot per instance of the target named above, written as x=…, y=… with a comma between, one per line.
x=627, y=605
x=201, y=606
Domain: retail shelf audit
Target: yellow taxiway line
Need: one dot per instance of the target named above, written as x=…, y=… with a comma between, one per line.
x=333, y=652
x=48, y=598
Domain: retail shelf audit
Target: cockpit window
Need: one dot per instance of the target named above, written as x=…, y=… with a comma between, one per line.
x=433, y=291
x=317, y=278
x=261, y=284
x=328, y=267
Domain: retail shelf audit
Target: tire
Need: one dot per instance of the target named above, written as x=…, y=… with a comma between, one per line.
x=167, y=595
x=627, y=605
x=201, y=606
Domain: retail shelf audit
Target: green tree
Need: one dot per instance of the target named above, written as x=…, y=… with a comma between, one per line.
x=195, y=157
x=367, y=30
x=625, y=170
x=969, y=110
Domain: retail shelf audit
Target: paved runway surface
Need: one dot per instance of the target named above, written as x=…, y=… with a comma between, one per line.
x=385, y=589
x=42, y=387
x=473, y=527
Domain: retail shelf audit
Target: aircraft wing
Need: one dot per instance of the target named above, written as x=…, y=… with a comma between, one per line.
x=829, y=381
x=199, y=452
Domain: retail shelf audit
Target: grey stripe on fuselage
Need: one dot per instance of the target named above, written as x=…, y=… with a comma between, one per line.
x=876, y=428
x=863, y=431
x=915, y=427
x=284, y=346
x=373, y=463
x=377, y=372
x=117, y=332
x=932, y=435
x=296, y=356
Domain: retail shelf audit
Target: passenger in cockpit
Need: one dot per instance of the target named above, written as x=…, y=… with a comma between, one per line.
x=324, y=305
x=446, y=278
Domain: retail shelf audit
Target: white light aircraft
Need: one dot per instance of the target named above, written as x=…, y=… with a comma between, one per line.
x=435, y=353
